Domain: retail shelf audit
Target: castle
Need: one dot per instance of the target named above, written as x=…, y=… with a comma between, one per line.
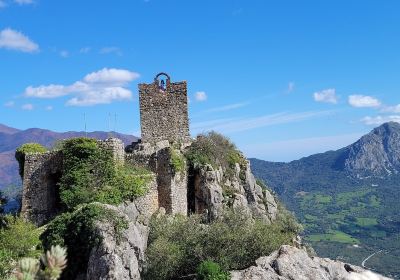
x=164, y=120
x=165, y=134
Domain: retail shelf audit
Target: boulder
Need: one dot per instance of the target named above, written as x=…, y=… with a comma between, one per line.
x=289, y=263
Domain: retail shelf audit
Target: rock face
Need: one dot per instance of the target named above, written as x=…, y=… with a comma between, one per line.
x=377, y=153
x=213, y=192
x=289, y=263
x=122, y=257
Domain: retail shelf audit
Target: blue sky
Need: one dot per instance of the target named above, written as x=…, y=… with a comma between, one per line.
x=283, y=79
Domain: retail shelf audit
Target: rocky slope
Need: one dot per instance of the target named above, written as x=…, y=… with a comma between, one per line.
x=375, y=154
x=289, y=263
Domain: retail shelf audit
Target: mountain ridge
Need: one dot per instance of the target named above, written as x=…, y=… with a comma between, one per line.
x=346, y=197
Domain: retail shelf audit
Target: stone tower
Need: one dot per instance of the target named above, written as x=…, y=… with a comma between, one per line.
x=164, y=110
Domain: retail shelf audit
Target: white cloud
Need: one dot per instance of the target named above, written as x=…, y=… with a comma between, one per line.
x=243, y=124
x=290, y=87
x=363, y=101
x=111, y=50
x=100, y=96
x=326, y=96
x=9, y=104
x=50, y=91
x=49, y=108
x=391, y=109
x=228, y=107
x=27, y=107
x=85, y=50
x=101, y=87
x=64, y=53
x=111, y=76
x=200, y=96
x=378, y=120
x=24, y=2
x=14, y=40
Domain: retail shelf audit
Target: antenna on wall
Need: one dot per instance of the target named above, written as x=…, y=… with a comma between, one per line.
x=84, y=119
x=115, y=122
x=109, y=125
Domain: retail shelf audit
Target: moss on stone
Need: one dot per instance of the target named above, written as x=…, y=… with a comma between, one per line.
x=22, y=151
x=177, y=161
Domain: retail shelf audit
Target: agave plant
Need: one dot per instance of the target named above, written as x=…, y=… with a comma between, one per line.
x=54, y=262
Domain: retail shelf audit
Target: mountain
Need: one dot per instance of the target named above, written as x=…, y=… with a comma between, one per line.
x=348, y=200
x=7, y=130
x=12, y=138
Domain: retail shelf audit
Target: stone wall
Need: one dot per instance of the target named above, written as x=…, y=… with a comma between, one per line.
x=164, y=112
x=42, y=173
x=40, y=192
x=172, y=186
x=116, y=147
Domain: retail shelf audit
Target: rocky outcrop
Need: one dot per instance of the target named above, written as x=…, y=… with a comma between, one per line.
x=377, y=153
x=213, y=192
x=289, y=263
x=121, y=256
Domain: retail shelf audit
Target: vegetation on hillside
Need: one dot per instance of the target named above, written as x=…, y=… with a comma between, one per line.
x=215, y=149
x=178, y=245
x=342, y=216
x=18, y=239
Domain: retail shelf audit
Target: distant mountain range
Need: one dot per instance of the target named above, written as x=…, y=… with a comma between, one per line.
x=348, y=200
x=12, y=138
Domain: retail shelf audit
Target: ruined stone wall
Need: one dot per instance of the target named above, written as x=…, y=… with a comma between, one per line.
x=164, y=113
x=172, y=186
x=42, y=173
x=40, y=192
x=116, y=147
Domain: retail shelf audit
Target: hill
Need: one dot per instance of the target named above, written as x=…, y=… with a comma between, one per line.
x=12, y=138
x=347, y=199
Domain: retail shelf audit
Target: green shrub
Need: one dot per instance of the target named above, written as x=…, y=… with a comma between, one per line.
x=214, y=149
x=177, y=161
x=77, y=232
x=18, y=239
x=177, y=245
x=288, y=221
x=29, y=148
x=91, y=174
x=209, y=270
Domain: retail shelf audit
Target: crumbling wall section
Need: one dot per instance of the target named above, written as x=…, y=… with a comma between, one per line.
x=172, y=185
x=40, y=191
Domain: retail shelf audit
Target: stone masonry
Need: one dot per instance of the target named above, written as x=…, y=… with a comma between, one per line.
x=164, y=111
x=40, y=193
x=42, y=173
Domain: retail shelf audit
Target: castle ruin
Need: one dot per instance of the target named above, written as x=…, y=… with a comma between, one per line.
x=164, y=120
